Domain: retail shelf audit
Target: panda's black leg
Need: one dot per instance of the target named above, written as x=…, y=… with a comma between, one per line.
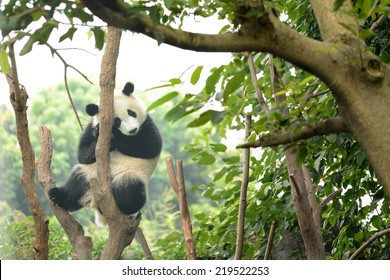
x=87, y=145
x=70, y=195
x=130, y=195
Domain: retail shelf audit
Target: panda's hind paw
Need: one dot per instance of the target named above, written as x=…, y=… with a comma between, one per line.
x=57, y=196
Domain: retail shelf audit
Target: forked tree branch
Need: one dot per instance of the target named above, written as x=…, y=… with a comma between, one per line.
x=324, y=127
x=18, y=97
x=179, y=187
x=122, y=227
x=82, y=245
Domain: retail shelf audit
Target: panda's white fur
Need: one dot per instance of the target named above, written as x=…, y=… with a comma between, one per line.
x=121, y=167
x=133, y=157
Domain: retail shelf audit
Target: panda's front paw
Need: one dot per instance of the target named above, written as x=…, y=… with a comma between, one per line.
x=95, y=131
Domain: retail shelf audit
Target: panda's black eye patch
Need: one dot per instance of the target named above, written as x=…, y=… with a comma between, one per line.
x=132, y=113
x=117, y=122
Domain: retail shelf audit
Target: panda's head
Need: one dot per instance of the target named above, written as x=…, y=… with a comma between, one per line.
x=129, y=111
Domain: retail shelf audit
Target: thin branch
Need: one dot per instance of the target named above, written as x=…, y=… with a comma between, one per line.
x=330, y=197
x=323, y=127
x=258, y=90
x=376, y=24
x=270, y=240
x=179, y=187
x=144, y=244
x=82, y=245
x=243, y=193
x=66, y=66
x=368, y=243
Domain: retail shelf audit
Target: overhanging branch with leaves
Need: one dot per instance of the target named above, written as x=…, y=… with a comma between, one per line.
x=321, y=128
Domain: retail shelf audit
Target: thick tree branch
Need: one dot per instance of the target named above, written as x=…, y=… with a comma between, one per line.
x=325, y=127
x=330, y=21
x=265, y=34
x=122, y=228
x=82, y=245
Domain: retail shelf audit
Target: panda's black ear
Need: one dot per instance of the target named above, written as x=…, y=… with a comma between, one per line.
x=92, y=109
x=128, y=89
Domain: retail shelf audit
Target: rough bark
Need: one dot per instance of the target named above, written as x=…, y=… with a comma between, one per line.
x=81, y=244
x=243, y=193
x=122, y=228
x=18, y=97
x=358, y=79
x=179, y=187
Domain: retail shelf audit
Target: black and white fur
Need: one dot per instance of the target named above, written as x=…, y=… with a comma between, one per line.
x=134, y=152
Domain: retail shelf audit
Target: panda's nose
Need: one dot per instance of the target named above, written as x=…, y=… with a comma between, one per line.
x=133, y=131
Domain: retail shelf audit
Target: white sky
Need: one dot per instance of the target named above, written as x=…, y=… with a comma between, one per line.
x=141, y=60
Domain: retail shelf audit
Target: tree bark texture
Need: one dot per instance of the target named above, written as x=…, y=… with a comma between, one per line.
x=81, y=244
x=180, y=190
x=243, y=193
x=18, y=97
x=359, y=81
x=307, y=208
x=122, y=227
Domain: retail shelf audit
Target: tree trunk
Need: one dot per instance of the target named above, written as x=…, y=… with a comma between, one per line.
x=18, y=96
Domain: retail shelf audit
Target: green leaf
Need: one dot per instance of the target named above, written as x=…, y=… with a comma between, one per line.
x=163, y=100
x=234, y=83
x=331, y=138
x=206, y=159
x=306, y=80
x=203, y=119
x=28, y=46
x=218, y=147
x=231, y=160
x=159, y=36
x=359, y=236
x=99, y=35
x=175, y=81
x=68, y=35
x=337, y=4
x=365, y=9
x=196, y=75
x=302, y=154
x=377, y=222
x=217, y=116
x=360, y=158
x=4, y=63
x=41, y=36
x=154, y=14
x=43, y=33
x=213, y=79
x=366, y=33
x=349, y=27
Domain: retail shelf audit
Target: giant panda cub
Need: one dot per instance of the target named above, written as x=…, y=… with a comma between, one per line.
x=134, y=152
